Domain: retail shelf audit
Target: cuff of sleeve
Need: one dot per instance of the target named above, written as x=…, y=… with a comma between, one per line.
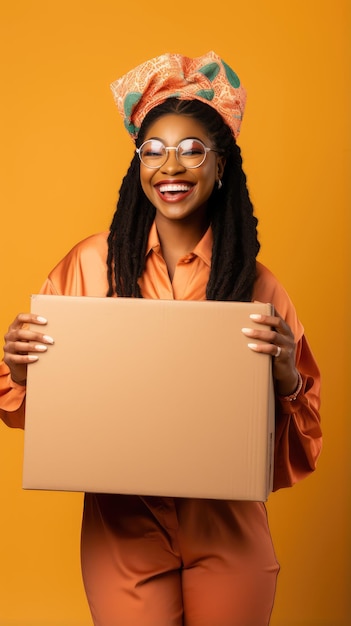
x=292, y=397
x=291, y=404
x=11, y=393
x=16, y=386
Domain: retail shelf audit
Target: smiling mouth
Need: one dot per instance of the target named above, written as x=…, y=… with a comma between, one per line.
x=174, y=188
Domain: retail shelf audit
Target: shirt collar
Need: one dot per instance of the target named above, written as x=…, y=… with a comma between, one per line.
x=203, y=248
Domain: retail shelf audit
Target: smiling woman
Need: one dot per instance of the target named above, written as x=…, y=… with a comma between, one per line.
x=184, y=228
x=234, y=246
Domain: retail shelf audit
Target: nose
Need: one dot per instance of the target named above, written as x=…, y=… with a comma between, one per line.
x=172, y=164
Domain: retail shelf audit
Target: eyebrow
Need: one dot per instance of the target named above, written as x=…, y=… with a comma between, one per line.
x=183, y=139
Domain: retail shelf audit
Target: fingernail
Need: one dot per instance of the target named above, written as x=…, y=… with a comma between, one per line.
x=252, y=346
x=40, y=347
x=32, y=357
x=48, y=339
x=41, y=320
x=247, y=331
x=256, y=316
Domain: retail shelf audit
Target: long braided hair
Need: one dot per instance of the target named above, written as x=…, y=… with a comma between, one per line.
x=234, y=226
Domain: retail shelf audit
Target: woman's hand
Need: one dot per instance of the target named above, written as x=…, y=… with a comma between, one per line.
x=277, y=339
x=23, y=345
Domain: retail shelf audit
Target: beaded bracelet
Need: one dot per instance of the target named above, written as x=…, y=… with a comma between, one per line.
x=294, y=395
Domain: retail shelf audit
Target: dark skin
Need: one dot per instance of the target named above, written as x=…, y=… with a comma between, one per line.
x=181, y=220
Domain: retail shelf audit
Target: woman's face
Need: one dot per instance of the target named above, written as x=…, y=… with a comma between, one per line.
x=176, y=191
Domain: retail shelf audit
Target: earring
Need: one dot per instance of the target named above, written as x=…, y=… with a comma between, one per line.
x=219, y=184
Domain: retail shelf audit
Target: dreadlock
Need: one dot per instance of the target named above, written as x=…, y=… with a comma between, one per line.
x=235, y=243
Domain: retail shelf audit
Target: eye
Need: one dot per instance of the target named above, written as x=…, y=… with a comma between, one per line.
x=191, y=148
x=152, y=149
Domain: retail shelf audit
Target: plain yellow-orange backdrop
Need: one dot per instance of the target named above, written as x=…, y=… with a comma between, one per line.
x=63, y=153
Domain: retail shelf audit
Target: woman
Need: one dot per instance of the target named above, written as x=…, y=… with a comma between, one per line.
x=184, y=229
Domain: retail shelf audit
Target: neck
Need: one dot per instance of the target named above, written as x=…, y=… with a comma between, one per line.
x=178, y=238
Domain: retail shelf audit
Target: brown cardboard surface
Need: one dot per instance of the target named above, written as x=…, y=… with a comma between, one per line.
x=150, y=397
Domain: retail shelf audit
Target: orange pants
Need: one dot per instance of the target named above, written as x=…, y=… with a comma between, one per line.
x=177, y=562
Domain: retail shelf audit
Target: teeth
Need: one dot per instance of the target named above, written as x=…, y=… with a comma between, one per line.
x=174, y=187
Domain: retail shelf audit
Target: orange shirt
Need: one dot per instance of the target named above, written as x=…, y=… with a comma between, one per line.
x=83, y=273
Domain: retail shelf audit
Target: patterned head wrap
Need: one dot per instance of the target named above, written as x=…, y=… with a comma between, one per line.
x=206, y=78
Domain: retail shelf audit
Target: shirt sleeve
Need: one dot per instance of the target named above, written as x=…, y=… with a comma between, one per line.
x=298, y=436
x=12, y=399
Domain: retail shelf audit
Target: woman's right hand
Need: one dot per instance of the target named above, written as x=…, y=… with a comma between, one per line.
x=23, y=345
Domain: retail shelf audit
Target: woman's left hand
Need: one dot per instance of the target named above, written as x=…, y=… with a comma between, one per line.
x=276, y=338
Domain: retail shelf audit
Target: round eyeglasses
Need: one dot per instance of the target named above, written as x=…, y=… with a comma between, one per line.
x=190, y=153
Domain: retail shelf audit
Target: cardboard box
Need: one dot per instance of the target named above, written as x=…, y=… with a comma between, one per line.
x=149, y=397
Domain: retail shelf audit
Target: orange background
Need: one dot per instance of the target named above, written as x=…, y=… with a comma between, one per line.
x=63, y=153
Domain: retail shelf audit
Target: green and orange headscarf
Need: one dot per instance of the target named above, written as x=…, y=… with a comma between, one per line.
x=207, y=78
